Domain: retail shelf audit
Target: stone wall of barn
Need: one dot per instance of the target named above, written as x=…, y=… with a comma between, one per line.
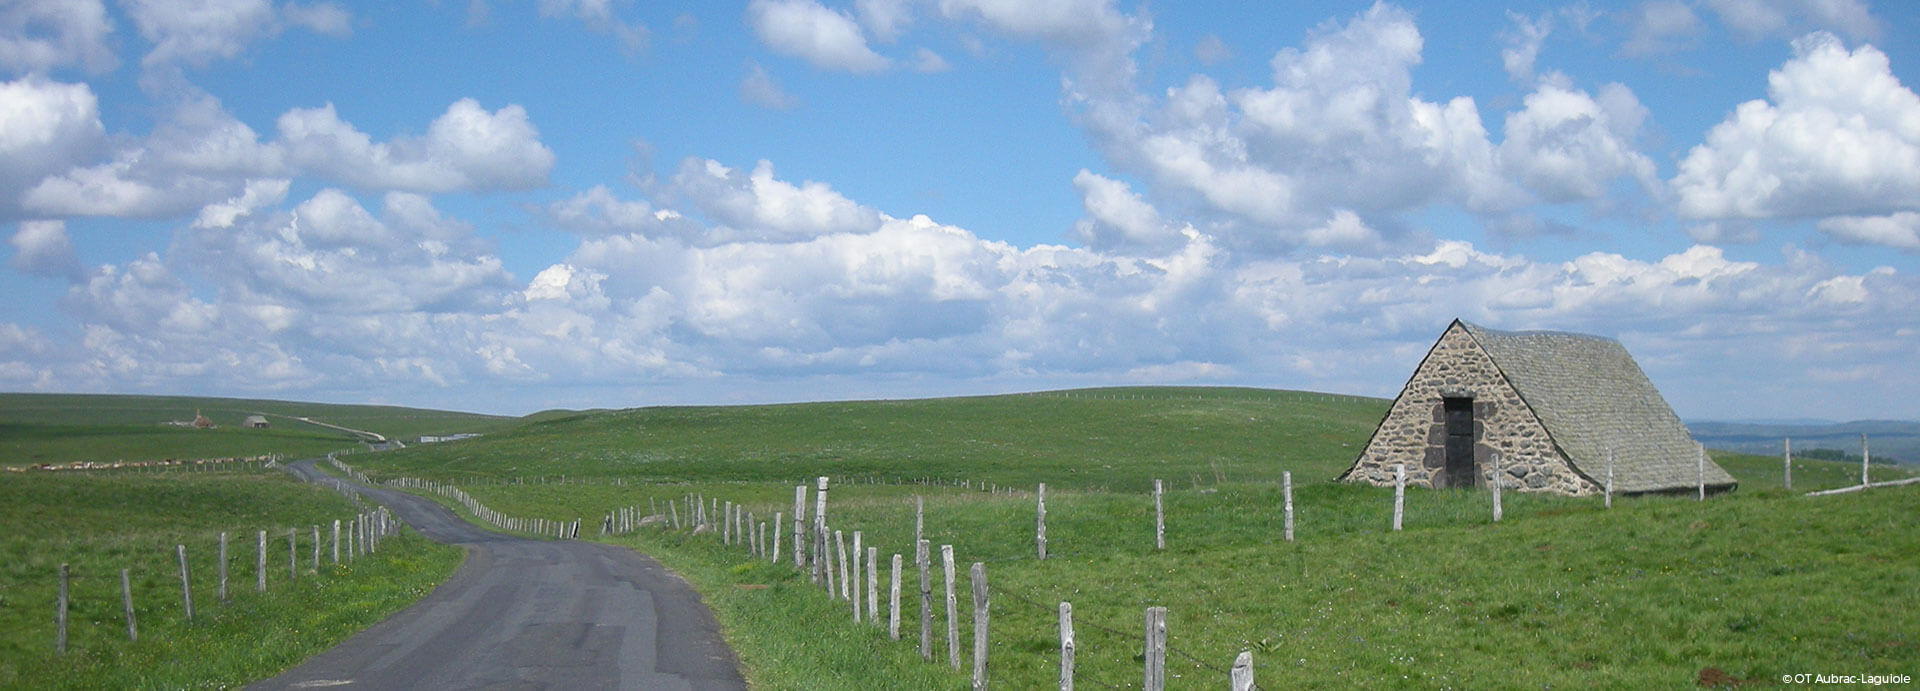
x=1415, y=431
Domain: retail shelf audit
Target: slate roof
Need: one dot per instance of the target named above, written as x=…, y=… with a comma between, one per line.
x=1591, y=396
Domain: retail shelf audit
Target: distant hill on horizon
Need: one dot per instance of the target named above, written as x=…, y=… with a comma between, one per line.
x=1892, y=441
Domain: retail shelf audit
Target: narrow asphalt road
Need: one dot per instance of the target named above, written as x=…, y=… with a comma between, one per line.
x=529, y=614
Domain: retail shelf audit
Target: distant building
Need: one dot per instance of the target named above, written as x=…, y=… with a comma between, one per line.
x=1552, y=411
x=201, y=421
x=255, y=422
x=433, y=439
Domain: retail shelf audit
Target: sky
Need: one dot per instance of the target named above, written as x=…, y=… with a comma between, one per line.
x=507, y=206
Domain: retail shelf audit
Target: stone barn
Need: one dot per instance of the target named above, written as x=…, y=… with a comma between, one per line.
x=256, y=422
x=1546, y=407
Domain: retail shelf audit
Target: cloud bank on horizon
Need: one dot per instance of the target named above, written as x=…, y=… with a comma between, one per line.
x=510, y=206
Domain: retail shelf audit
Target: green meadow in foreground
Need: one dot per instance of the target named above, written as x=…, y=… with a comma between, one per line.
x=63, y=428
x=99, y=522
x=1656, y=592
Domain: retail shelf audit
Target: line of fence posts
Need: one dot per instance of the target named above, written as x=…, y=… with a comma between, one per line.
x=828, y=563
x=186, y=576
x=843, y=581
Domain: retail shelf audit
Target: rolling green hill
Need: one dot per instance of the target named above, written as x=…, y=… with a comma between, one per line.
x=1659, y=592
x=1114, y=438
x=63, y=428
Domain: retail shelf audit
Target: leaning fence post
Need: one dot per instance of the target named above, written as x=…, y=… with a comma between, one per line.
x=979, y=578
x=1866, y=460
x=1040, y=530
x=1399, y=493
x=186, y=590
x=126, y=603
x=1066, y=646
x=1242, y=673
x=1156, y=650
x=1286, y=488
x=223, y=567
x=953, y=623
x=833, y=589
x=60, y=615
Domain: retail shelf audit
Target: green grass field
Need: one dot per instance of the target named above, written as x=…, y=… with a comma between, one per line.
x=101, y=522
x=64, y=428
x=1657, y=592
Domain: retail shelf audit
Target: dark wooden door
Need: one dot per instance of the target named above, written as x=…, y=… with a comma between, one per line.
x=1459, y=469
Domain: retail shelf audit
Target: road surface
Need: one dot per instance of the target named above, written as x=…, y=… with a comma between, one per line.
x=529, y=614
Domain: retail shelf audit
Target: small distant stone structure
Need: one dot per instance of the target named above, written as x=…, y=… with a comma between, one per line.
x=1545, y=407
x=256, y=422
x=201, y=421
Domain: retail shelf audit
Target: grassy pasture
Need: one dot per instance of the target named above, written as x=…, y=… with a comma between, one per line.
x=1655, y=593
x=101, y=522
x=61, y=428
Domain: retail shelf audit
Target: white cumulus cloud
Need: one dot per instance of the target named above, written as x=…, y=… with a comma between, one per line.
x=466, y=148
x=808, y=30
x=38, y=35
x=1838, y=135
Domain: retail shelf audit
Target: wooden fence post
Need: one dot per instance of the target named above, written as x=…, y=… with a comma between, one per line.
x=1066, y=646
x=820, y=531
x=60, y=616
x=1866, y=461
x=336, y=541
x=953, y=623
x=260, y=564
x=1159, y=517
x=1399, y=493
x=835, y=572
x=979, y=578
x=921, y=559
x=316, y=548
x=1286, y=488
x=873, y=586
x=186, y=589
x=800, y=527
x=893, y=606
x=126, y=603
x=1609, y=477
x=1496, y=487
x=1040, y=530
x=293, y=555
x=855, y=579
x=919, y=518
x=1156, y=650
x=778, y=517
x=1701, y=464
x=1242, y=673
x=223, y=567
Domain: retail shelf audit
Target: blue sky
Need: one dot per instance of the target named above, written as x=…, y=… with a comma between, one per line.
x=508, y=206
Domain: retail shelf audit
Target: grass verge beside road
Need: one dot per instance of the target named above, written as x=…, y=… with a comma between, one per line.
x=102, y=522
